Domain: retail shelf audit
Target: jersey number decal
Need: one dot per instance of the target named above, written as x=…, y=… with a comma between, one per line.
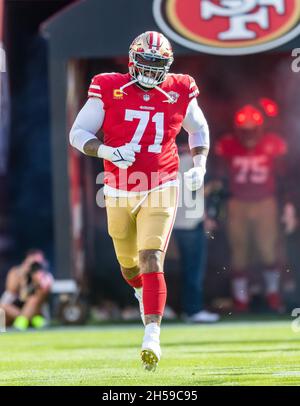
x=144, y=117
x=251, y=169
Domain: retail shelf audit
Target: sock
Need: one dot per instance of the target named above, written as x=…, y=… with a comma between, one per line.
x=154, y=293
x=136, y=282
x=152, y=331
x=272, y=280
x=240, y=287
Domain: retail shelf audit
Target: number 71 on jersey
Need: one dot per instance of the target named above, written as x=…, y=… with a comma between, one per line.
x=144, y=118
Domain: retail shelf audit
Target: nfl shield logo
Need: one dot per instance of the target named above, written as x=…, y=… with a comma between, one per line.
x=174, y=96
x=146, y=97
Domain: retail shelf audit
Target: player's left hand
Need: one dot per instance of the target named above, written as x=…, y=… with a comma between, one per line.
x=194, y=178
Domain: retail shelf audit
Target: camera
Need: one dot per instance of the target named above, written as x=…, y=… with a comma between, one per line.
x=34, y=267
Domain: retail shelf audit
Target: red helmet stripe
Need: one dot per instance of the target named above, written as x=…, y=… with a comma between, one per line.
x=151, y=40
x=154, y=39
x=159, y=41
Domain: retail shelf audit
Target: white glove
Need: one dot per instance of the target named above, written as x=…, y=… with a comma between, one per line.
x=122, y=157
x=194, y=178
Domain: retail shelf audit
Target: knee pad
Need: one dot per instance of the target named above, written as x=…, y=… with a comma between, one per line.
x=128, y=262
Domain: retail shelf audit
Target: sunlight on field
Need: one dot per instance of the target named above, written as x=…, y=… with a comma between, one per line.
x=226, y=354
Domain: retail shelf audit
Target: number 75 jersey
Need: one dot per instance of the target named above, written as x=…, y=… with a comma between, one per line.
x=252, y=172
x=147, y=120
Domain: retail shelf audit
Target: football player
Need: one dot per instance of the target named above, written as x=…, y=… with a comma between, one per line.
x=251, y=155
x=141, y=113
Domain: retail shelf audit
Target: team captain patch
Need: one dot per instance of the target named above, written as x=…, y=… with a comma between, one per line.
x=118, y=94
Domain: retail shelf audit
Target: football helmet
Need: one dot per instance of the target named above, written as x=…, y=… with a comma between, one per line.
x=150, y=58
x=248, y=123
x=248, y=117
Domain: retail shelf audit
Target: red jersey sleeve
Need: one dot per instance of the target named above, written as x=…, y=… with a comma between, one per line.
x=224, y=146
x=193, y=88
x=281, y=147
x=95, y=89
x=275, y=145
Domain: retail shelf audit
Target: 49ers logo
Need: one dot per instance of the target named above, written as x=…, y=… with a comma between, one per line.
x=229, y=27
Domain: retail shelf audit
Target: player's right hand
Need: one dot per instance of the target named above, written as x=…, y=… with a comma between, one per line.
x=122, y=157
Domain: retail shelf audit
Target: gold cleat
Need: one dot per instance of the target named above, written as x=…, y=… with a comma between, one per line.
x=149, y=360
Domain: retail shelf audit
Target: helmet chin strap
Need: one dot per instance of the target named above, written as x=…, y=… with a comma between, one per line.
x=169, y=98
x=127, y=84
x=133, y=81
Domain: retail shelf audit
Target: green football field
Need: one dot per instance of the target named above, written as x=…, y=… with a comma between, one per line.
x=229, y=353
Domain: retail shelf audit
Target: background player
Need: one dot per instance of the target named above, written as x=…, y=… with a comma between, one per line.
x=140, y=114
x=251, y=154
x=191, y=239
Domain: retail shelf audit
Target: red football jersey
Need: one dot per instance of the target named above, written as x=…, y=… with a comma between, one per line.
x=148, y=121
x=251, y=171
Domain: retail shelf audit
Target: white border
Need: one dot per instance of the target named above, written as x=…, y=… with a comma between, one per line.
x=254, y=49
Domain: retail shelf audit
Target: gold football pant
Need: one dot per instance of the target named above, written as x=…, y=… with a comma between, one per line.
x=248, y=221
x=141, y=223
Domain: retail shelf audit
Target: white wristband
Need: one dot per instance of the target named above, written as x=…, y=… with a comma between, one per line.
x=200, y=138
x=105, y=152
x=200, y=160
x=79, y=138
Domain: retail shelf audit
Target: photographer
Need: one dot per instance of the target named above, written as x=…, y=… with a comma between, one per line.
x=27, y=289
